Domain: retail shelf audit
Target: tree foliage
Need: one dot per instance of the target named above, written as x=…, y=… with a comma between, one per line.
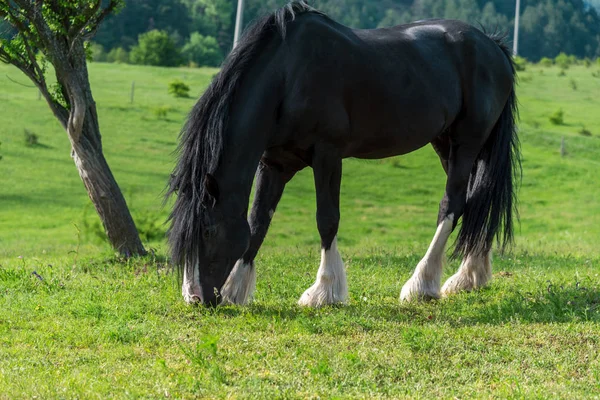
x=202, y=50
x=140, y=16
x=178, y=88
x=213, y=18
x=118, y=55
x=551, y=27
x=58, y=30
x=548, y=26
x=156, y=48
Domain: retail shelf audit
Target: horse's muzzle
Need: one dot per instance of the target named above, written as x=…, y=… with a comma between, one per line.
x=211, y=296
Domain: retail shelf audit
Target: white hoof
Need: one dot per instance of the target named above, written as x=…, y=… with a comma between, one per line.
x=474, y=273
x=417, y=289
x=190, y=289
x=425, y=282
x=324, y=293
x=331, y=286
x=239, y=286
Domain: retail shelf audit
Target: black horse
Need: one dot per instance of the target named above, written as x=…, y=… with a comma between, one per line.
x=302, y=90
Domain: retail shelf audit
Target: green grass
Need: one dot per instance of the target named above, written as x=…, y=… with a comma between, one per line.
x=103, y=328
x=89, y=325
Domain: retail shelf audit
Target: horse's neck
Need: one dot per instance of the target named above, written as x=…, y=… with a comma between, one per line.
x=251, y=127
x=238, y=167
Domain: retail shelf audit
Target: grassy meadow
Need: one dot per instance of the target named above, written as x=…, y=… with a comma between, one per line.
x=76, y=321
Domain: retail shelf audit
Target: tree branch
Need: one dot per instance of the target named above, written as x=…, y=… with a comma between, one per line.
x=97, y=19
x=77, y=29
x=109, y=9
x=20, y=63
x=25, y=5
x=19, y=83
x=26, y=60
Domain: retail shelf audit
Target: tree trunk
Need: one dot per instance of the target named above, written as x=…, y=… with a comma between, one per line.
x=101, y=185
x=81, y=123
x=106, y=196
x=73, y=105
x=103, y=190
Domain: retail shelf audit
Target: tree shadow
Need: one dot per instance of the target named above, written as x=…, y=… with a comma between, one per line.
x=40, y=146
x=35, y=199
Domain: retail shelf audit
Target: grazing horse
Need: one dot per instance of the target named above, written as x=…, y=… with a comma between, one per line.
x=302, y=90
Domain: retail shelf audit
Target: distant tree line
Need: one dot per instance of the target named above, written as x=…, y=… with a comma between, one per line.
x=200, y=32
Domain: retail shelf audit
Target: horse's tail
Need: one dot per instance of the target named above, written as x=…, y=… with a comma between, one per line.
x=491, y=196
x=202, y=137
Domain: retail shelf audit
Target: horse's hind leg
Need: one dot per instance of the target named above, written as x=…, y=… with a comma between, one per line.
x=270, y=182
x=425, y=282
x=330, y=286
x=474, y=272
x=441, y=145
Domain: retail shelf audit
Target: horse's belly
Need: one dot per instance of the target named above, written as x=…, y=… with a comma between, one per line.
x=395, y=135
x=386, y=147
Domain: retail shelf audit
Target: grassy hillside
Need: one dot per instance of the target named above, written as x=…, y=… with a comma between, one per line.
x=77, y=322
x=384, y=203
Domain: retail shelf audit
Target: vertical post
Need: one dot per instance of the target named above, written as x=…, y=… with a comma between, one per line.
x=516, y=35
x=239, y=21
x=132, y=92
x=563, y=147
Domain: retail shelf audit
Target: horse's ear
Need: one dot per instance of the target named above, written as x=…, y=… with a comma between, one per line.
x=211, y=186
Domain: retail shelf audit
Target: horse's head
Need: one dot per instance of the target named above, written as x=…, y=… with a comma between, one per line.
x=225, y=238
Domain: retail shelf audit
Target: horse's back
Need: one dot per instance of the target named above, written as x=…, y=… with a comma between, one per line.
x=386, y=91
x=319, y=46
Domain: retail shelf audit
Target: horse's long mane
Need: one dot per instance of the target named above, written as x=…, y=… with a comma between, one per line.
x=202, y=137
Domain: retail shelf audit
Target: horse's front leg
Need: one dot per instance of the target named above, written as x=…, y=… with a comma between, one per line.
x=330, y=286
x=270, y=182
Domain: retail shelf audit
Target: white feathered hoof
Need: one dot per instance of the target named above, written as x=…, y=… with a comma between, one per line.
x=459, y=282
x=324, y=292
x=474, y=273
x=239, y=286
x=425, y=281
x=416, y=289
x=331, y=286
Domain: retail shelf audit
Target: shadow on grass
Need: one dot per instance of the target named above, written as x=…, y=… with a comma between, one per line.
x=524, y=295
x=550, y=304
x=40, y=146
x=36, y=199
x=520, y=293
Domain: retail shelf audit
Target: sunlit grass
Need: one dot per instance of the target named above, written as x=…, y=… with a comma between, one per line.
x=105, y=327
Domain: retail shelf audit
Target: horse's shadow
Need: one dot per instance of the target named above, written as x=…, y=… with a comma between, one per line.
x=563, y=304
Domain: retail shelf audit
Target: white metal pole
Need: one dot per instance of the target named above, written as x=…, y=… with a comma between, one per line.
x=239, y=21
x=516, y=35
